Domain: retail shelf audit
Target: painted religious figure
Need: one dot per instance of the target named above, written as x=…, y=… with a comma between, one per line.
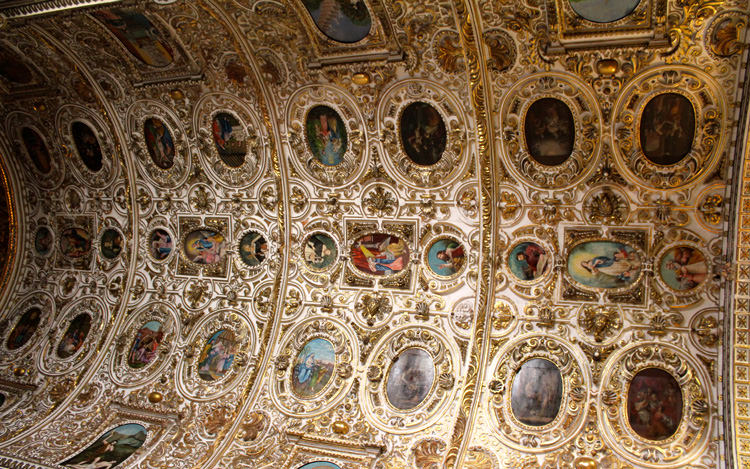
x=683, y=268
x=110, y=449
x=205, y=247
x=253, y=248
x=667, y=128
x=313, y=368
x=74, y=336
x=537, y=392
x=604, y=264
x=326, y=135
x=159, y=142
x=320, y=465
x=549, y=129
x=145, y=344
x=229, y=139
x=446, y=257
x=600, y=11
x=380, y=254
x=36, y=149
x=13, y=69
x=344, y=21
x=75, y=242
x=87, y=145
x=43, y=241
x=654, y=404
x=160, y=244
x=139, y=36
x=320, y=251
x=111, y=243
x=410, y=378
x=423, y=133
x=24, y=330
x=217, y=355
x=528, y=261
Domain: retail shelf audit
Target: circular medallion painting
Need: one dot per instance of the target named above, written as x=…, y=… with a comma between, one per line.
x=604, y=264
x=654, y=404
x=410, y=378
x=74, y=336
x=320, y=251
x=528, y=261
x=253, y=248
x=604, y=12
x=24, y=330
x=537, y=392
x=205, y=247
x=37, y=150
x=683, y=268
x=145, y=344
x=320, y=465
x=446, y=257
x=160, y=244
x=326, y=135
x=380, y=254
x=111, y=243
x=549, y=129
x=159, y=142
x=229, y=139
x=43, y=241
x=313, y=368
x=667, y=128
x=423, y=133
x=217, y=355
x=87, y=145
x=75, y=242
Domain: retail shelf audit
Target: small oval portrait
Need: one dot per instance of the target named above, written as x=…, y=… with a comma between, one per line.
x=111, y=243
x=159, y=142
x=410, y=378
x=724, y=40
x=36, y=149
x=446, y=257
x=423, y=133
x=326, y=135
x=217, y=355
x=139, y=36
x=550, y=131
x=229, y=138
x=145, y=344
x=380, y=254
x=536, y=393
x=320, y=251
x=529, y=261
x=253, y=248
x=160, y=244
x=112, y=448
x=604, y=264
x=87, y=145
x=24, y=330
x=667, y=128
x=654, y=404
x=74, y=336
x=604, y=12
x=344, y=21
x=683, y=268
x=313, y=368
x=205, y=247
x=13, y=69
x=43, y=241
x=75, y=242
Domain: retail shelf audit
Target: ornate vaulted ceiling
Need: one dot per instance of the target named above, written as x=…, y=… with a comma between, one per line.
x=374, y=234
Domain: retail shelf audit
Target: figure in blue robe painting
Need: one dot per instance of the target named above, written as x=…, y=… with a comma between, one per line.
x=326, y=135
x=313, y=367
x=621, y=264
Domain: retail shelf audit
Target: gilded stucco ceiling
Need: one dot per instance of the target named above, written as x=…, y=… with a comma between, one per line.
x=463, y=234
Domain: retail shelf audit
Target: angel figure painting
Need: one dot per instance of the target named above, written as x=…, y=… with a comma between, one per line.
x=110, y=449
x=380, y=254
x=205, y=247
x=604, y=264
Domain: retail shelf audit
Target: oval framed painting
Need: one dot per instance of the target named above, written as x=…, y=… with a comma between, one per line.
x=600, y=12
x=320, y=465
x=549, y=130
x=160, y=244
x=229, y=139
x=217, y=355
x=604, y=264
x=205, y=246
x=87, y=145
x=423, y=134
x=145, y=344
x=43, y=241
x=313, y=368
x=320, y=251
x=138, y=35
x=379, y=254
x=253, y=248
x=75, y=336
x=24, y=329
x=75, y=242
x=667, y=128
x=446, y=257
x=654, y=404
x=410, y=378
x=529, y=261
x=159, y=142
x=346, y=21
x=112, y=448
x=326, y=135
x=683, y=268
x=110, y=244
x=536, y=393
x=36, y=149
